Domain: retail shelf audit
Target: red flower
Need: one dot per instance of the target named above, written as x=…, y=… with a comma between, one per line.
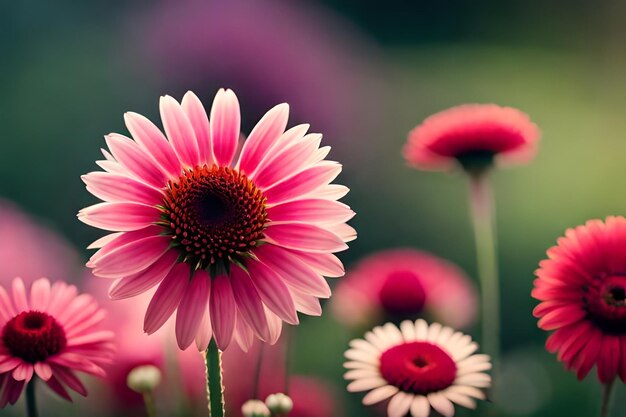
x=582, y=289
x=472, y=135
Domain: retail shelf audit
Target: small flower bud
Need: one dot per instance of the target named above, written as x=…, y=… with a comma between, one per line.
x=279, y=403
x=255, y=408
x=144, y=378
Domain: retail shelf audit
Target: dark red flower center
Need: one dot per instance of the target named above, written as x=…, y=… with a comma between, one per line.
x=418, y=367
x=605, y=302
x=402, y=294
x=214, y=214
x=33, y=336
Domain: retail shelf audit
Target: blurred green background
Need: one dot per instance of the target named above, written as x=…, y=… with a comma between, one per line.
x=364, y=74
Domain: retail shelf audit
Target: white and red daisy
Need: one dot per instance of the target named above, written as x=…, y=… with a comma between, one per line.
x=417, y=366
x=52, y=334
x=582, y=289
x=237, y=241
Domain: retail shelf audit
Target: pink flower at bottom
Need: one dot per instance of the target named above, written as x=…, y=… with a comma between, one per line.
x=472, y=135
x=51, y=332
x=582, y=289
x=405, y=283
x=236, y=241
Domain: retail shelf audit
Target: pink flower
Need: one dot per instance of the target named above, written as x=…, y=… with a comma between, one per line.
x=236, y=243
x=472, y=135
x=53, y=333
x=183, y=371
x=582, y=289
x=405, y=283
x=31, y=251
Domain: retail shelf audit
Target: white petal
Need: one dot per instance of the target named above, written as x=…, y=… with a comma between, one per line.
x=379, y=394
x=361, y=373
x=400, y=404
x=420, y=407
x=433, y=332
x=366, y=384
x=408, y=330
x=361, y=356
x=421, y=329
x=441, y=404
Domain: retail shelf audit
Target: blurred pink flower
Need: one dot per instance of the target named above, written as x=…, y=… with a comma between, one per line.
x=50, y=332
x=404, y=283
x=277, y=51
x=30, y=250
x=312, y=397
x=472, y=135
x=183, y=371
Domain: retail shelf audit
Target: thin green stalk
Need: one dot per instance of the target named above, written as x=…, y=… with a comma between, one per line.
x=483, y=217
x=148, y=400
x=606, y=398
x=31, y=403
x=215, y=388
x=257, y=372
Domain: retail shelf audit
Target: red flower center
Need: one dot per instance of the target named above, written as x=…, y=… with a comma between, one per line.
x=606, y=304
x=418, y=367
x=214, y=214
x=33, y=336
x=402, y=294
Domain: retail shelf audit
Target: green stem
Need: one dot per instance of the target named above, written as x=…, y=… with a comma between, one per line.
x=148, y=400
x=31, y=403
x=215, y=388
x=486, y=256
x=606, y=398
x=257, y=372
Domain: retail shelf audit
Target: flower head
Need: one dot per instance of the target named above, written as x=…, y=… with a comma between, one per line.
x=52, y=334
x=418, y=366
x=237, y=242
x=474, y=136
x=582, y=289
x=405, y=283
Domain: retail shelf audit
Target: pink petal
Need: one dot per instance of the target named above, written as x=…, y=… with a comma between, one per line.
x=56, y=386
x=609, y=358
x=275, y=326
x=40, y=294
x=303, y=183
x=225, y=126
x=306, y=304
x=199, y=120
x=135, y=160
x=244, y=336
x=11, y=392
x=43, y=370
x=116, y=241
x=286, y=140
x=144, y=280
x=262, y=137
x=9, y=364
x=7, y=310
x=293, y=271
x=205, y=332
x=222, y=310
x=179, y=131
x=120, y=217
x=331, y=192
x=318, y=211
x=191, y=309
x=304, y=237
x=294, y=158
x=19, y=295
x=166, y=298
x=273, y=291
x=113, y=187
x=132, y=258
x=68, y=378
x=326, y=264
x=153, y=142
x=23, y=372
x=249, y=302
x=104, y=240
